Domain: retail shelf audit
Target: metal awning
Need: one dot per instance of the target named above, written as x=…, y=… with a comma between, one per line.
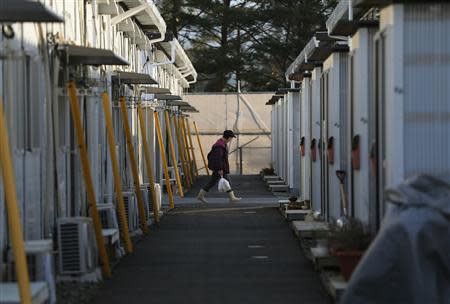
x=319, y=48
x=338, y=23
x=26, y=11
x=343, y=23
x=146, y=13
x=167, y=97
x=154, y=90
x=189, y=108
x=90, y=56
x=173, y=103
x=274, y=99
x=381, y=3
x=282, y=91
x=132, y=78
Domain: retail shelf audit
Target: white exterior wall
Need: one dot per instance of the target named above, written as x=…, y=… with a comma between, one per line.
x=316, y=178
x=290, y=140
x=337, y=125
x=361, y=82
x=416, y=91
x=306, y=133
x=294, y=97
x=284, y=136
x=48, y=175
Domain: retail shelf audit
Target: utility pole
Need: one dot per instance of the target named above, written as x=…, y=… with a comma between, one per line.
x=238, y=116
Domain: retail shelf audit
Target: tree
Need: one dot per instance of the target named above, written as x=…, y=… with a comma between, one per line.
x=250, y=41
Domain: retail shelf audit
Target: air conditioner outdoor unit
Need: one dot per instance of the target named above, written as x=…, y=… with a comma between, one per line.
x=149, y=200
x=108, y=217
x=158, y=195
x=131, y=211
x=77, y=249
x=146, y=195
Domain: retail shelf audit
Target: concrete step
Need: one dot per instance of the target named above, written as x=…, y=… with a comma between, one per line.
x=334, y=284
x=323, y=259
x=271, y=177
x=281, y=194
x=279, y=188
x=310, y=229
x=274, y=182
x=295, y=215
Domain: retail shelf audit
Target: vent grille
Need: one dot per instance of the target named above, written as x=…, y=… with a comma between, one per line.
x=104, y=218
x=131, y=211
x=70, y=249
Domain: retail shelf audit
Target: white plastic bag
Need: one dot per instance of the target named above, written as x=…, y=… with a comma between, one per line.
x=224, y=185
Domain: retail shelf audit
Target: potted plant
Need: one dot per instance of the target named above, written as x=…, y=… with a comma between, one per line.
x=348, y=243
x=296, y=205
x=267, y=171
x=293, y=204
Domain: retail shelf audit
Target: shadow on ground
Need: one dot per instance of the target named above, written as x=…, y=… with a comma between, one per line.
x=218, y=253
x=243, y=185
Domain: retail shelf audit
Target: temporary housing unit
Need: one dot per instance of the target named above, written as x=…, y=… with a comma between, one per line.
x=412, y=92
x=335, y=125
x=371, y=121
x=360, y=24
x=291, y=137
x=316, y=51
x=293, y=97
x=114, y=47
x=298, y=72
x=286, y=136
x=275, y=134
x=278, y=153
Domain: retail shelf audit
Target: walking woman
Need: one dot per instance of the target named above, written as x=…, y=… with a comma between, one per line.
x=218, y=163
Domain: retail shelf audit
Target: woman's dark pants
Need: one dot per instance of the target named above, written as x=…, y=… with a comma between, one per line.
x=215, y=177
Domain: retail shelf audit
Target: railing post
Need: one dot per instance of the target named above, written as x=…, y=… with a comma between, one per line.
x=115, y=166
x=173, y=154
x=181, y=152
x=86, y=169
x=186, y=148
x=133, y=163
x=148, y=163
x=164, y=161
x=14, y=226
x=191, y=148
x=240, y=161
x=201, y=149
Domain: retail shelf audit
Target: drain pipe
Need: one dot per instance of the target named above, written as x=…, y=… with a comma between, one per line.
x=350, y=10
x=162, y=38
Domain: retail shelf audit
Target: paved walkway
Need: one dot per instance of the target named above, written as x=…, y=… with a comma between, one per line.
x=217, y=253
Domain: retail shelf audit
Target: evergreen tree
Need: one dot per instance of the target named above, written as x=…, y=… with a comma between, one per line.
x=250, y=41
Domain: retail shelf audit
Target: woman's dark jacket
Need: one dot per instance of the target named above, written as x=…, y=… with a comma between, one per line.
x=218, y=157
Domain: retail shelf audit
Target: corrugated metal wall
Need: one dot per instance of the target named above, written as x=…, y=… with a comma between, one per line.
x=316, y=178
x=295, y=166
x=426, y=104
x=306, y=135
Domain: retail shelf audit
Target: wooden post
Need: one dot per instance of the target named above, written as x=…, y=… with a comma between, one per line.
x=201, y=148
x=186, y=148
x=117, y=181
x=148, y=163
x=76, y=117
x=174, y=155
x=12, y=212
x=191, y=148
x=164, y=161
x=134, y=167
x=181, y=152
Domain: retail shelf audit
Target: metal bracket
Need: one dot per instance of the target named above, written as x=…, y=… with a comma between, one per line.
x=130, y=13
